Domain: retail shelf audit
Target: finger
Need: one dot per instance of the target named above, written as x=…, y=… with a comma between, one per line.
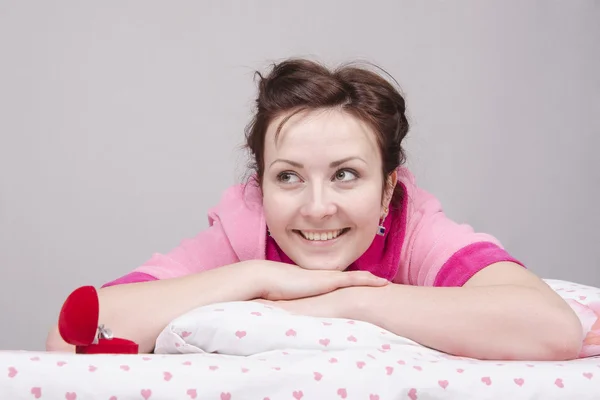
x=366, y=278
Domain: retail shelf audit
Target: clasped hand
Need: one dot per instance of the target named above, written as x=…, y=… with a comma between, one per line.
x=315, y=293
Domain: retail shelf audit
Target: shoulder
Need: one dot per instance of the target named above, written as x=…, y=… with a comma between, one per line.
x=415, y=199
x=238, y=201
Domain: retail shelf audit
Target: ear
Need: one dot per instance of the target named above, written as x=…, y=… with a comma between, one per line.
x=390, y=185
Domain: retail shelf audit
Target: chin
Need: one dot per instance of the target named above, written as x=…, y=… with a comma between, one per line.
x=321, y=265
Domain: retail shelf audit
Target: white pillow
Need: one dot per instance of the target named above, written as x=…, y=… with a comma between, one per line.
x=248, y=328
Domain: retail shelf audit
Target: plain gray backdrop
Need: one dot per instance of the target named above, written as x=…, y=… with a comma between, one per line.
x=121, y=124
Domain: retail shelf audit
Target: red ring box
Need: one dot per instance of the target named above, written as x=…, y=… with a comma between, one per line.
x=78, y=325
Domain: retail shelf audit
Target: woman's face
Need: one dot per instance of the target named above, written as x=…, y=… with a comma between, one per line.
x=322, y=188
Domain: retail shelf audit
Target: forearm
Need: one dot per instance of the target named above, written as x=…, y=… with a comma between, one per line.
x=140, y=311
x=491, y=322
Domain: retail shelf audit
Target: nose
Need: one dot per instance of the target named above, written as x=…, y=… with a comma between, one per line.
x=319, y=203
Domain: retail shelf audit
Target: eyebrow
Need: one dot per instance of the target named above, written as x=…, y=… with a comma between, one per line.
x=333, y=164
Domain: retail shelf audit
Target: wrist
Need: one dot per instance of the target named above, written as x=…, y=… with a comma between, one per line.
x=356, y=301
x=252, y=278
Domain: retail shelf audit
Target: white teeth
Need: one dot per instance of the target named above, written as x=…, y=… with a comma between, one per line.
x=321, y=235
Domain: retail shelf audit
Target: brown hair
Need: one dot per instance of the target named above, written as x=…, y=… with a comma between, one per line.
x=296, y=85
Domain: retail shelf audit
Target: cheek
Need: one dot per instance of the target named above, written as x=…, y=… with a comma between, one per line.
x=365, y=208
x=278, y=210
x=367, y=219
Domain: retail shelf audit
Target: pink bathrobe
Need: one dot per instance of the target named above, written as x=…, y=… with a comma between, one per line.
x=421, y=245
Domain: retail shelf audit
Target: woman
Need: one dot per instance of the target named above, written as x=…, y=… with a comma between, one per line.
x=333, y=225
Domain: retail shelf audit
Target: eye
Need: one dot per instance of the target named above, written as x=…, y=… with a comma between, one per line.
x=287, y=177
x=345, y=175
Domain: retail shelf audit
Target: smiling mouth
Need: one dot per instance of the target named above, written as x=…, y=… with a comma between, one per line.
x=321, y=236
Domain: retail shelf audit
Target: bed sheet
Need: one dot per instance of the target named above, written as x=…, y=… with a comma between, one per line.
x=369, y=374
x=246, y=350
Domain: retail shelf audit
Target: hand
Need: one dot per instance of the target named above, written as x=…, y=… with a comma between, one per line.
x=328, y=305
x=288, y=282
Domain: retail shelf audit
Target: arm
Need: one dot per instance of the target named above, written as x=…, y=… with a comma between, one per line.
x=140, y=311
x=200, y=271
x=502, y=312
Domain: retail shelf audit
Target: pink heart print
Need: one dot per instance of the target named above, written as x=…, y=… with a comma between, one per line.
x=113, y=398
x=559, y=383
x=12, y=372
x=360, y=364
x=443, y=384
x=185, y=334
x=61, y=363
x=146, y=393
x=519, y=381
x=418, y=368
x=36, y=392
x=35, y=359
x=167, y=376
x=70, y=396
x=386, y=347
x=401, y=362
x=240, y=334
x=256, y=313
x=460, y=370
x=324, y=342
x=351, y=339
x=487, y=380
x=318, y=376
x=342, y=393
x=225, y=396
x=333, y=360
x=244, y=370
x=290, y=332
x=412, y=394
x=92, y=368
x=192, y=393
x=124, y=367
x=327, y=323
x=389, y=370
x=588, y=375
x=298, y=394
x=373, y=397
x=213, y=367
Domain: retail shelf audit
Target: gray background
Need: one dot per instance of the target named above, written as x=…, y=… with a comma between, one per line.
x=121, y=122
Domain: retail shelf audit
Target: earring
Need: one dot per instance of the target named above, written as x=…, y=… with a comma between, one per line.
x=381, y=228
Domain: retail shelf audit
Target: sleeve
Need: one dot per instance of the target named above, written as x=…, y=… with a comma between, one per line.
x=209, y=249
x=438, y=251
